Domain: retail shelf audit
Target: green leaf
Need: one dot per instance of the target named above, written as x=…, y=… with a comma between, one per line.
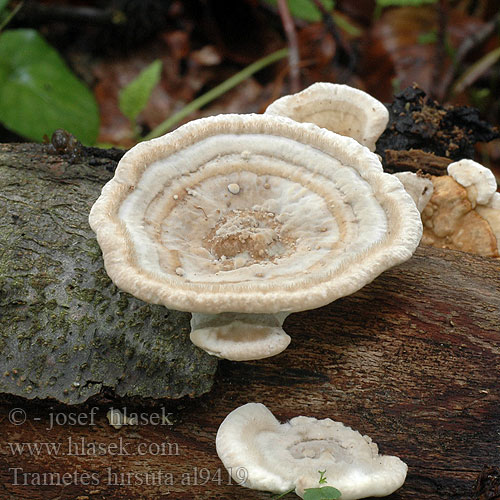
x=305, y=9
x=322, y=478
x=344, y=24
x=6, y=16
x=3, y=4
x=426, y=38
x=324, y=493
x=135, y=96
x=39, y=94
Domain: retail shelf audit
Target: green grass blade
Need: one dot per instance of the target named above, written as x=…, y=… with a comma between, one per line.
x=217, y=91
x=134, y=97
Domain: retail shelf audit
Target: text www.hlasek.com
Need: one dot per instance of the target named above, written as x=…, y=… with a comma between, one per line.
x=82, y=447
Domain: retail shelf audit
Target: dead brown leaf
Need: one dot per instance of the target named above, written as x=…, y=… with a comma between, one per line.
x=394, y=49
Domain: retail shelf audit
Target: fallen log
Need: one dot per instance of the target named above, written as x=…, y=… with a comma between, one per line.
x=412, y=360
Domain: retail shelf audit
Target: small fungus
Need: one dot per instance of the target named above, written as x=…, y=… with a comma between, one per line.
x=280, y=457
x=117, y=419
x=304, y=188
x=451, y=222
x=420, y=188
x=481, y=187
x=479, y=181
x=491, y=213
x=464, y=210
x=339, y=108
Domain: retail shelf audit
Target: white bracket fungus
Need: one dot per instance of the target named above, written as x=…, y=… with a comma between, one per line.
x=240, y=337
x=464, y=210
x=478, y=180
x=418, y=187
x=279, y=457
x=339, y=108
x=491, y=213
x=257, y=215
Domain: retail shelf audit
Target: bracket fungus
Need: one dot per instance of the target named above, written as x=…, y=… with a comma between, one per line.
x=280, y=457
x=464, y=210
x=479, y=181
x=340, y=108
x=243, y=219
x=419, y=187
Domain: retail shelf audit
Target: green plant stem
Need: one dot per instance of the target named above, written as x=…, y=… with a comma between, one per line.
x=11, y=15
x=277, y=497
x=216, y=92
x=346, y=25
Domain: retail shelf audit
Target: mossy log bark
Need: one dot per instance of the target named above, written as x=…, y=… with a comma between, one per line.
x=412, y=359
x=65, y=331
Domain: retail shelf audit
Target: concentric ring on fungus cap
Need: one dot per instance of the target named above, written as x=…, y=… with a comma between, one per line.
x=313, y=217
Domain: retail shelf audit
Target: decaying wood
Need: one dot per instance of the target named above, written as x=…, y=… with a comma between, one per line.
x=419, y=123
x=415, y=160
x=412, y=359
x=488, y=484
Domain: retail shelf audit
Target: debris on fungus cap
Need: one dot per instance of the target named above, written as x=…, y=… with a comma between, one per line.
x=279, y=457
x=257, y=215
x=464, y=210
x=339, y=108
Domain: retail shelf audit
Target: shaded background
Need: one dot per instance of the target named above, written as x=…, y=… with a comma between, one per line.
x=450, y=48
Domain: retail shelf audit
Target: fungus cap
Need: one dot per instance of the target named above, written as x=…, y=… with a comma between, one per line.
x=340, y=108
x=315, y=217
x=479, y=181
x=491, y=213
x=451, y=221
x=240, y=337
x=420, y=188
x=278, y=457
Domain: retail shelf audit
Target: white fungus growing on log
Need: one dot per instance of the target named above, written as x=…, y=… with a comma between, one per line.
x=280, y=457
x=464, y=210
x=317, y=219
x=339, y=108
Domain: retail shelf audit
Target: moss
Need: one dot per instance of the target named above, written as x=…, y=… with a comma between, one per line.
x=84, y=294
x=51, y=305
x=63, y=358
x=61, y=318
x=42, y=280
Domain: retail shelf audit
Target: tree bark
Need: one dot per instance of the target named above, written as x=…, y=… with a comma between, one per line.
x=412, y=359
x=66, y=332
